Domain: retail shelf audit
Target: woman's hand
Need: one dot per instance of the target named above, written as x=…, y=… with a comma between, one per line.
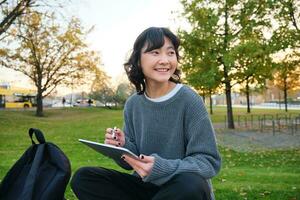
x=142, y=166
x=118, y=140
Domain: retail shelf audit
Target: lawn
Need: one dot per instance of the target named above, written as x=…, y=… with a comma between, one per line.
x=251, y=175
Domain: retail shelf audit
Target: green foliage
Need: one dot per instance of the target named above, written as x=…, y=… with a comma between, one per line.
x=124, y=90
x=213, y=48
x=286, y=76
x=104, y=94
x=219, y=44
x=287, y=21
x=285, y=43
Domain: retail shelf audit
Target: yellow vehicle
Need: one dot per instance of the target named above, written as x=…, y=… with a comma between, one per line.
x=17, y=97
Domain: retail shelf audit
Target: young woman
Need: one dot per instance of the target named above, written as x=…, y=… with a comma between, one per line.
x=166, y=123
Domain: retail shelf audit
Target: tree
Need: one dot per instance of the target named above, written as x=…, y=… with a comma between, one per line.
x=101, y=88
x=286, y=77
x=105, y=95
x=286, y=41
x=217, y=27
x=123, y=91
x=199, y=63
x=202, y=75
x=254, y=65
x=10, y=11
x=48, y=53
x=286, y=17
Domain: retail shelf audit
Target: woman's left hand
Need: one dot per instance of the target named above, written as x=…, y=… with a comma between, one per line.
x=142, y=166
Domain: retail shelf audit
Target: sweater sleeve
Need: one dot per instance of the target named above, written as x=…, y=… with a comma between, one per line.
x=201, y=157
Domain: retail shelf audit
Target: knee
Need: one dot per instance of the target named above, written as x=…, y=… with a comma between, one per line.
x=193, y=186
x=78, y=176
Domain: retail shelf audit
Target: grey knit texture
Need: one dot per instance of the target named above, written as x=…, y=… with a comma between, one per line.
x=177, y=132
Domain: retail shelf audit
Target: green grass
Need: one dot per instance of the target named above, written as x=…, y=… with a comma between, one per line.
x=255, y=175
x=259, y=175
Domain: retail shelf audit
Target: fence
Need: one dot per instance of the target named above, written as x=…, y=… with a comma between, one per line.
x=284, y=123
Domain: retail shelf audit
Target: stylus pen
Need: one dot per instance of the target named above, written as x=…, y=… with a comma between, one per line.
x=114, y=132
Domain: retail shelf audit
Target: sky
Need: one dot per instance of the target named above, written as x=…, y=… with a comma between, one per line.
x=116, y=23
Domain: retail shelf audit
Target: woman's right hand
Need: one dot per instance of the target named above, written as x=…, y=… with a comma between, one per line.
x=118, y=140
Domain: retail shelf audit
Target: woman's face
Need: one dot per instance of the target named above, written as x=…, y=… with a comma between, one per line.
x=160, y=64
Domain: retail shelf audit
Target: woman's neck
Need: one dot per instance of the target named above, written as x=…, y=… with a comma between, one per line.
x=158, y=90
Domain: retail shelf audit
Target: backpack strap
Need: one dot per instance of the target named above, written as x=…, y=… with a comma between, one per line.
x=38, y=134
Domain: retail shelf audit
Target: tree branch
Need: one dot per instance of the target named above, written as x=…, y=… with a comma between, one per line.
x=292, y=15
x=57, y=67
x=16, y=12
x=2, y=2
x=54, y=84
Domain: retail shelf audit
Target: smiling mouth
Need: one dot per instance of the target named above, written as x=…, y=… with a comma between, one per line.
x=162, y=70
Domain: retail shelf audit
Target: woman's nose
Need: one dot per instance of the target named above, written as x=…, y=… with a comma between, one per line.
x=163, y=59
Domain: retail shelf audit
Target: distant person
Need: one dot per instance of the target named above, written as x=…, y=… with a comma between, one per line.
x=63, y=101
x=166, y=123
x=90, y=102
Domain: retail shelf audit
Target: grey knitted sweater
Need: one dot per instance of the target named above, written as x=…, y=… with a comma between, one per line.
x=177, y=132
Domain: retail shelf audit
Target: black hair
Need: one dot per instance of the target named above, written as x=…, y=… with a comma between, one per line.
x=154, y=38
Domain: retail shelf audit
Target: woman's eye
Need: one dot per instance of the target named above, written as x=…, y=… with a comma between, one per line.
x=155, y=52
x=171, y=53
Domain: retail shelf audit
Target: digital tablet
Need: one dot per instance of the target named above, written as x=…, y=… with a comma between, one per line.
x=109, y=150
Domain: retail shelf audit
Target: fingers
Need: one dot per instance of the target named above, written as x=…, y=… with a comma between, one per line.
x=142, y=166
x=117, y=139
x=119, y=134
x=136, y=164
x=112, y=142
x=109, y=139
x=109, y=130
x=146, y=159
x=110, y=136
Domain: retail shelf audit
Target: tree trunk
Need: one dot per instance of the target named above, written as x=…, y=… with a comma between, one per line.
x=248, y=96
x=210, y=103
x=39, y=101
x=285, y=95
x=279, y=100
x=39, y=98
x=227, y=80
x=203, y=97
x=230, y=119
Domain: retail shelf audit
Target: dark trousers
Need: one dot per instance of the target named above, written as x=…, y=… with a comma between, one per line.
x=90, y=183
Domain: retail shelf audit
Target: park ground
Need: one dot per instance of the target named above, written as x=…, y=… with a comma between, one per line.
x=256, y=165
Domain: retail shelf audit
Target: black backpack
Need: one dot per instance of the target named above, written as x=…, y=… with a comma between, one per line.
x=42, y=173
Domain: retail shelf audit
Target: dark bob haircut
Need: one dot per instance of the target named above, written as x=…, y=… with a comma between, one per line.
x=153, y=37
